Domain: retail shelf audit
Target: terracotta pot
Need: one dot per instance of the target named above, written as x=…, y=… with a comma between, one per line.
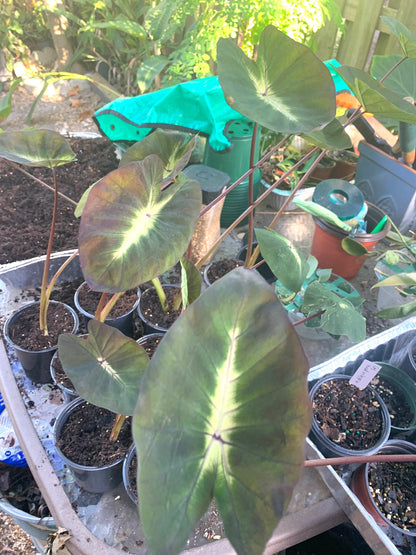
x=327, y=244
x=361, y=487
x=36, y=364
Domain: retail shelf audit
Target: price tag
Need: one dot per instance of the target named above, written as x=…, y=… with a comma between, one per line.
x=364, y=374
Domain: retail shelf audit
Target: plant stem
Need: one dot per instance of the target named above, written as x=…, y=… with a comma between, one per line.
x=57, y=274
x=100, y=307
x=43, y=297
x=108, y=307
x=160, y=293
x=308, y=318
x=40, y=182
x=118, y=423
x=251, y=195
x=360, y=459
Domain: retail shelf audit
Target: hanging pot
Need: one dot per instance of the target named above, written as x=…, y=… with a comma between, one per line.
x=130, y=474
x=360, y=485
x=95, y=479
x=149, y=320
x=36, y=364
x=124, y=323
x=333, y=447
x=327, y=243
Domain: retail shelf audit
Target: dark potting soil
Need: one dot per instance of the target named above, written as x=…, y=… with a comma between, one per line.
x=85, y=437
x=150, y=344
x=392, y=487
x=399, y=409
x=89, y=300
x=18, y=486
x=219, y=268
x=25, y=332
x=348, y=416
x=26, y=206
x=152, y=310
x=60, y=377
x=132, y=475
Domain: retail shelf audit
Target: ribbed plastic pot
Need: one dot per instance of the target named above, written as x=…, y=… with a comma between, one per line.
x=37, y=528
x=327, y=243
x=123, y=323
x=151, y=327
x=331, y=449
x=126, y=479
x=91, y=478
x=68, y=394
x=407, y=387
x=361, y=487
x=36, y=364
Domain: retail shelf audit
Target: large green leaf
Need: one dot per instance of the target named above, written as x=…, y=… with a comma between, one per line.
x=106, y=369
x=6, y=101
x=405, y=37
x=148, y=70
x=158, y=18
x=285, y=261
x=340, y=316
x=223, y=411
x=191, y=281
x=332, y=136
x=402, y=80
x=123, y=24
x=403, y=279
x=287, y=89
x=174, y=149
x=321, y=212
x=376, y=98
x=36, y=147
x=131, y=231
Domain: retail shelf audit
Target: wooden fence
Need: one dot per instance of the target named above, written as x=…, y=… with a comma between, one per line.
x=364, y=33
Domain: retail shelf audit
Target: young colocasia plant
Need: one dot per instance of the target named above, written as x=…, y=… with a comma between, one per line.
x=40, y=148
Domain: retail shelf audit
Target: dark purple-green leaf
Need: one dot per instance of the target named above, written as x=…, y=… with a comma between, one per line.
x=223, y=412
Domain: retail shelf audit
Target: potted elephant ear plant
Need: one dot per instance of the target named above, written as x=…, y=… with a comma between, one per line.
x=33, y=330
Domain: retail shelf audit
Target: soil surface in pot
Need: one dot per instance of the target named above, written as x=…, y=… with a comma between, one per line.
x=219, y=268
x=150, y=344
x=152, y=310
x=348, y=416
x=26, y=207
x=18, y=486
x=399, y=409
x=25, y=331
x=392, y=486
x=84, y=437
x=60, y=377
x=89, y=300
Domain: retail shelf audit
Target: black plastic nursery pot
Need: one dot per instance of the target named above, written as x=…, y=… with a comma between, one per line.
x=123, y=323
x=93, y=479
x=68, y=392
x=36, y=364
x=368, y=495
x=149, y=320
x=150, y=342
x=129, y=483
x=218, y=268
x=332, y=446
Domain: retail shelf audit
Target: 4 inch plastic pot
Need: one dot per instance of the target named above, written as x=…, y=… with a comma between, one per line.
x=327, y=243
x=409, y=363
x=123, y=323
x=131, y=491
x=91, y=478
x=36, y=364
x=68, y=394
x=330, y=448
x=404, y=385
x=148, y=325
x=361, y=487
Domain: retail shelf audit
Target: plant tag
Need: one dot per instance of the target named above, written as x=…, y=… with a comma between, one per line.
x=364, y=374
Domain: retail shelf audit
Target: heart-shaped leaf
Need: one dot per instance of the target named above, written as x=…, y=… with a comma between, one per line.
x=191, y=281
x=106, y=369
x=223, y=411
x=405, y=37
x=340, y=316
x=285, y=261
x=36, y=147
x=332, y=136
x=174, y=149
x=402, y=79
x=402, y=311
x=268, y=90
x=375, y=98
x=131, y=231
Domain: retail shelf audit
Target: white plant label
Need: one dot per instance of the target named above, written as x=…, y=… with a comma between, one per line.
x=364, y=374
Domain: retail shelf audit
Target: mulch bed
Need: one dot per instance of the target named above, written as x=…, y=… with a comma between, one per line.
x=26, y=207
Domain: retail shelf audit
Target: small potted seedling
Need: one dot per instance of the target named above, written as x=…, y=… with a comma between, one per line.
x=35, y=344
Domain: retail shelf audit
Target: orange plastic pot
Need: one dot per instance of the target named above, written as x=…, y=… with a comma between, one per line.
x=327, y=244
